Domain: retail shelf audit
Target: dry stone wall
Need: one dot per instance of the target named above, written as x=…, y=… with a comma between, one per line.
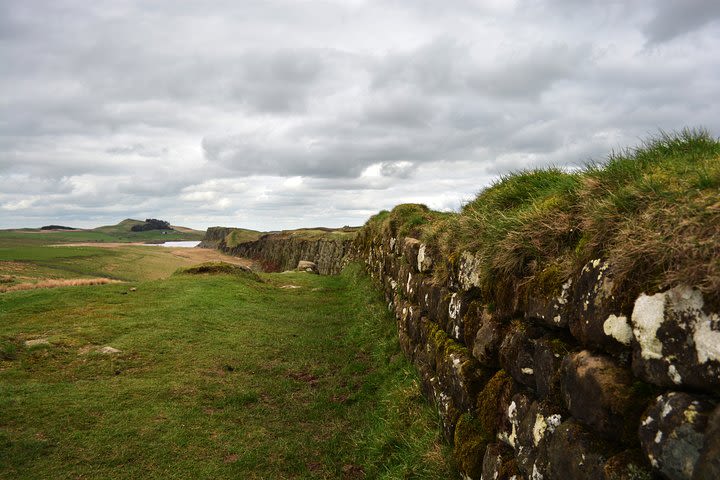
x=574, y=385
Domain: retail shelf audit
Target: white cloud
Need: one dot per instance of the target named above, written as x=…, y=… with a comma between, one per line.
x=283, y=114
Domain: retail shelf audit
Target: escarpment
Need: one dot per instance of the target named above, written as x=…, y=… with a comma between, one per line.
x=328, y=249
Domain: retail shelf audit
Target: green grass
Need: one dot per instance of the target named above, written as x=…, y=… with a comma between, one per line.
x=128, y=263
x=111, y=233
x=652, y=211
x=241, y=235
x=218, y=377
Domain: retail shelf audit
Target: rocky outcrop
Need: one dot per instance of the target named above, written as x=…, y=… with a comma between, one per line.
x=214, y=237
x=328, y=249
x=579, y=383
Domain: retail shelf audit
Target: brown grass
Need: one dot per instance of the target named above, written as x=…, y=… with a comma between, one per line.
x=54, y=283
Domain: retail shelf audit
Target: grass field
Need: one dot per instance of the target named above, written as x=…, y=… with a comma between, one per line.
x=216, y=376
x=110, y=233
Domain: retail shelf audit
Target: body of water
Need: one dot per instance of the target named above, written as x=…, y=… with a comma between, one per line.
x=176, y=244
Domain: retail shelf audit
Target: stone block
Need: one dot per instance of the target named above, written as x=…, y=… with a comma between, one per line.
x=499, y=463
x=469, y=445
x=457, y=307
x=489, y=336
x=460, y=375
x=575, y=453
x=597, y=317
x=425, y=258
x=468, y=275
x=672, y=433
x=307, y=266
x=602, y=394
x=517, y=352
x=628, y=465
x=410, y=250
x=676, y=339
x=515, y=412
x=550, y=311
x=548, y=354
x=708, y=465
x=533, y=434
x=493, y=402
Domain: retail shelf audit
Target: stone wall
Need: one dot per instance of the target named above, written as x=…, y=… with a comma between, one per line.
x=574, y=385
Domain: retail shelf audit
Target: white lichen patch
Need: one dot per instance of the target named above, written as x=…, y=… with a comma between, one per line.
x=647, y=316
x=454, y=307
x=667, y=408
x=618, y=328
x=510, y=438
x=527, y=371
x=553, y=421
x=658, y=436
x=424, y=262
x=674, y=375
x=468, y=272
x=407, y=285
x=539, y=429
x=707, y=338
x=647, y=421
x=536, y=475
x=565, y=293
x=456, y=360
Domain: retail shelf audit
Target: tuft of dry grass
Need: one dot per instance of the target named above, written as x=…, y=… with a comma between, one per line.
x=54, y=283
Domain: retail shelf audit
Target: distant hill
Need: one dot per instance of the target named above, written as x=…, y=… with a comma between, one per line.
x=124, y=226
x=124, y=232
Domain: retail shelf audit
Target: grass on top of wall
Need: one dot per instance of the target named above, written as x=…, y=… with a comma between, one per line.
x=652, y=211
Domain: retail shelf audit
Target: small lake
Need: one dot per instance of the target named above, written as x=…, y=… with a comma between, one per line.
x=186, y=244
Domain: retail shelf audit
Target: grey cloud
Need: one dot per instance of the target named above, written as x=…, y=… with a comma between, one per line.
x=397, y=169
x=675, y=18
x=432, y=68
x=177, y=109
x=532, y=73
x=138, y=149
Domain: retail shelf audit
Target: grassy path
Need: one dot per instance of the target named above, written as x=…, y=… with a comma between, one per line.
x=217, y=377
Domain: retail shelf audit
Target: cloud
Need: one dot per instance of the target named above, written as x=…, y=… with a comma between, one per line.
x=673, y=19
x=278, y=114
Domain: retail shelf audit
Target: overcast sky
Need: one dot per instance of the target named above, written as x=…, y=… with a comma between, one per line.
x=288, y=113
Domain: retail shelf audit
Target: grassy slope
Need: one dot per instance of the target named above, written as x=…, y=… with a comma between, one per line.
x=110, y=233
x=218, y=377
x=31, y=255
x=653, y=212
x=131, y=263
